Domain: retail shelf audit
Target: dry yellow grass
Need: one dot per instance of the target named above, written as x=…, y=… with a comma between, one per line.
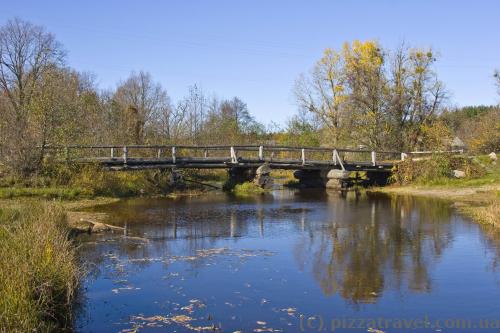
x=38, y=269
x=481, y=203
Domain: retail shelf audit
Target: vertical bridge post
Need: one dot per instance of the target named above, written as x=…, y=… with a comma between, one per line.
x=125, y=155
x=234, y=158
x=374, y=158
x=337, y=159
x=158, y=155
x=403, y=156
x=173, y=155
x=303, y=155
x=261, y=153
x=112, y=153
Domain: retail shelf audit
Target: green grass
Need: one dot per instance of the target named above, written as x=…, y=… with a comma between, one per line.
x=42, y=192
x=248, y=188
x=38, y=269
x=491, y=176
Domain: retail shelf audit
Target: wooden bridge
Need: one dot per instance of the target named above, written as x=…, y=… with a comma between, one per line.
x=315, y=166
x=139, y=157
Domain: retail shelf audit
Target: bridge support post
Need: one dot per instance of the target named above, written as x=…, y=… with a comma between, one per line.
x=337, y=179
x=263, y=176
x=176, y=179
x=239, y=175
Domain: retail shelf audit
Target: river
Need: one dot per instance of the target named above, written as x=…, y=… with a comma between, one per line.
x=289, y=261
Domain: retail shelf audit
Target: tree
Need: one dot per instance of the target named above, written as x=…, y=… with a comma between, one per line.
x=496, y=76
x=193, y=107
x=27, y=52
x=229, y=121
x=324, y=93
x=365, y=95
x=144, y=107
x=302, y=131
x=365, y=76
x=426, y=94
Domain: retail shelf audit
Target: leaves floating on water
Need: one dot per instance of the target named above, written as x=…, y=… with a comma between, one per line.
x=159, y=321
x=210, y=253
x=290, y=311
x=374, y=330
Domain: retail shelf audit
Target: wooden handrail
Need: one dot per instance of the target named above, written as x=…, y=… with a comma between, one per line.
x=220, y=147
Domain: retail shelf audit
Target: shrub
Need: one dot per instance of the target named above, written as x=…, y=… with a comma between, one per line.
x=437, y=167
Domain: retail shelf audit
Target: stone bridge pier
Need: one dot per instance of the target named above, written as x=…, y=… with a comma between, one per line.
x=260, y=176
x=337, y=179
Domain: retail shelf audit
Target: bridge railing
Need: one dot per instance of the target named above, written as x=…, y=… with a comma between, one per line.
x=230, y=154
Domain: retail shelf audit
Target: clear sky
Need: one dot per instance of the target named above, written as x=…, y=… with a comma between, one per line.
x=256, y=49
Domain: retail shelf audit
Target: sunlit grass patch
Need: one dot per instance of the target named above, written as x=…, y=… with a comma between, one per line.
x=68, y=193
x=487, y=213
x=38, y=269
x=248, y=188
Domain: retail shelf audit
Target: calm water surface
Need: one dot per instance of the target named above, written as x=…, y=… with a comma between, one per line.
x=290, y=261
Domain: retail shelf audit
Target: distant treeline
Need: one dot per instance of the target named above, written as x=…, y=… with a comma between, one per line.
x=360, y=95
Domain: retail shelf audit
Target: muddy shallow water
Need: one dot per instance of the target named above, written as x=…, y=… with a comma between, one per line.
x=289, y=261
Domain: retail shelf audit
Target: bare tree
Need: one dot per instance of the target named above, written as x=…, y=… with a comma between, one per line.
x=496, y=76
x=27, y=51
x=194, y=109
x=144, y=105
x=426, y=94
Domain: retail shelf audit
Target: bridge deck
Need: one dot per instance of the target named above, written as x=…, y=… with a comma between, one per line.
x=214, y=163
x=138, y=157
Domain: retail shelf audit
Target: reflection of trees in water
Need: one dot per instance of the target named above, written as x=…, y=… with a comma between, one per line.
x=169, y=230
x=371, y=245
x=490, y=235
x=357, y=247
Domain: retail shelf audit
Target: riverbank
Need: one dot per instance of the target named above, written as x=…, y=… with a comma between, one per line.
x=39, y=271
x=39, y=268
x=480, y=202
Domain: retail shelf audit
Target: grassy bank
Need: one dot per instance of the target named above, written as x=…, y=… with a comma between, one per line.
x=38, y=269
x=482, y=203
x=477, y=195
x=71, y=182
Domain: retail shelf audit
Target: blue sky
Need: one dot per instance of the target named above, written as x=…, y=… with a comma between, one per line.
x=257, y=49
